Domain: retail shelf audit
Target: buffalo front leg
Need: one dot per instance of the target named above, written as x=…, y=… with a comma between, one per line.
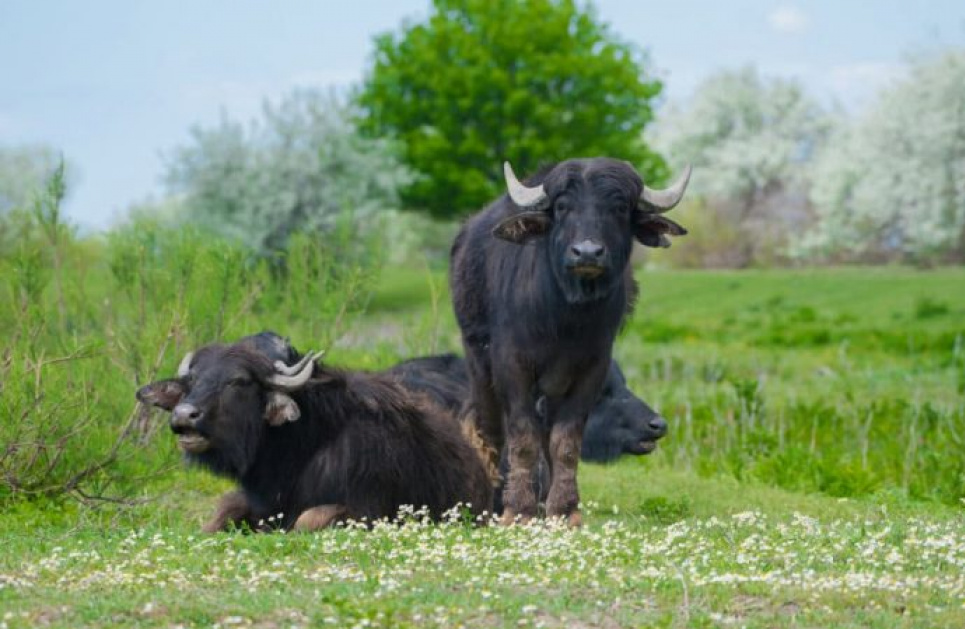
x=519, y=499
x=233, y=508
x=319, y=517
x=566, y=417
x=563, y=500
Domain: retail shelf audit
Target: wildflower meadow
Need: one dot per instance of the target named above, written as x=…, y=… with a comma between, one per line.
x=811, y=475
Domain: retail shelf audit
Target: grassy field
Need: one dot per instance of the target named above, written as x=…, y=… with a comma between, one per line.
x=843, y=381
x=813, y=476
x=659, y=549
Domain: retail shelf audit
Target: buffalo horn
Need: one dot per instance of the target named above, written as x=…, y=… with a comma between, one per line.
x=292, y=382
x=286, y=370
x=185, y=365
x=662, y=200
x=520, y=194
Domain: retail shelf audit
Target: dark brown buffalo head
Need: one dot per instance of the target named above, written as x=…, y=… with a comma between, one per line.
x=223, y=399
x=620, y=423
x=589, y=211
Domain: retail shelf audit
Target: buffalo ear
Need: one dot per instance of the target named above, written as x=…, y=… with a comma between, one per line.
x=652, y=230
x=281, y=409
x=163, y=394
x=522, y=226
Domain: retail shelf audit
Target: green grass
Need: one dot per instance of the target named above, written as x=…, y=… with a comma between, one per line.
x=813, y=476
x=842, y=381
x=846, y=381
x=659, y=549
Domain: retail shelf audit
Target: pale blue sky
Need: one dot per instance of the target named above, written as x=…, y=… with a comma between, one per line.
x=116, y=83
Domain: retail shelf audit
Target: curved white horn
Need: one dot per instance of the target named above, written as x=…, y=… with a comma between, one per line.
x=290, y=370
x=520, y=194
x=662, y=200
x=291, y=382
x=185, y=365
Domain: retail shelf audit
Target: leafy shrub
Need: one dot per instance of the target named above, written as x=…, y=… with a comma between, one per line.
x=88, y=321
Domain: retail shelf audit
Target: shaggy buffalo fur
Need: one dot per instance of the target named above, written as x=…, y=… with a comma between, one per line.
x=357, y=444
x=539, y=294
x=619, y=423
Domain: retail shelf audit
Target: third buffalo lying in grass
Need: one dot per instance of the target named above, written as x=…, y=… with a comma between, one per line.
x=619, y=423
x=316, y=444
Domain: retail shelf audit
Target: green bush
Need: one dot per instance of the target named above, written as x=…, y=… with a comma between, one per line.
x=89, y=320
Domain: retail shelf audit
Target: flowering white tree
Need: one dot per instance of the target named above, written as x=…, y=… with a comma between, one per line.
x=301, y=166
x=751, y=141
x=892, y=184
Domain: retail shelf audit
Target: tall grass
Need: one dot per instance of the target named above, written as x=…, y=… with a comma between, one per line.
x=86, y=321
x=847, y=382
x=840, y=381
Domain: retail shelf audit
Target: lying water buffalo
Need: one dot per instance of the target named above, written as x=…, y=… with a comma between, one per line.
x=541, y=283
x=313, y=443
x=619, y=423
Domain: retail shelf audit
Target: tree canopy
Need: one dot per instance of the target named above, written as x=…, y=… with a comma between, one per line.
x=752, y=142
x=745, y=133
x=301, y=166
x=891, y=184
x=483, y=81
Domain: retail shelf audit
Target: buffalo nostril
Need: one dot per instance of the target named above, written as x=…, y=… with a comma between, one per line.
x=658, y=424
x=185, y=416
x=588, y=250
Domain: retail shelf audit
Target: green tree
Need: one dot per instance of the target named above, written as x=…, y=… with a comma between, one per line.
x=482, y=81
x=300, y=166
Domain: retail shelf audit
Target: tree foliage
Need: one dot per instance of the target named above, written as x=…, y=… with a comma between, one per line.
x=891, y=184
x=301, y=166
x=23, y=172
x=482, y=81
x=751, y=141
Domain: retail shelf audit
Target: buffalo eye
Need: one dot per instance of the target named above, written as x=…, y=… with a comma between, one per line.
x=562, y=206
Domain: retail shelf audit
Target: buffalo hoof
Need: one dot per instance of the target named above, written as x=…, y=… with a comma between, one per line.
x=319, y=517
x=509, y=518
x=232, y=509
x=574, y=520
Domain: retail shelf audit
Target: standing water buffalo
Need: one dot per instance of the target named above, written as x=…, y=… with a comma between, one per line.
x=540, y=284
x=316, y=444
x=619, y=423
